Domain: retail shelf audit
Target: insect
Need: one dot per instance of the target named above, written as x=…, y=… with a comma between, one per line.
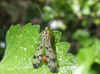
x=45, y=52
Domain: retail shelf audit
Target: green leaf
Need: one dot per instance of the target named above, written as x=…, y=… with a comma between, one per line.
x=21, y=45
x=97, y=48
x=86, y=58
x=88, y=55
x=81, y=34
x=92, y=71
x=49, y=13
x=87, y=42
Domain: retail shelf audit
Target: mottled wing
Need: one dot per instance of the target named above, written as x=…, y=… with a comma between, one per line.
x=50, y=55
x=37, y=58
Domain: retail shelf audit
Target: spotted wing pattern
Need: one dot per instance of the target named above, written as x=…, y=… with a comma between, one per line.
x=46, y=42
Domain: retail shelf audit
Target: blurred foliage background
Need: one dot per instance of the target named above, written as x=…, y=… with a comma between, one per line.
x=79, y=20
